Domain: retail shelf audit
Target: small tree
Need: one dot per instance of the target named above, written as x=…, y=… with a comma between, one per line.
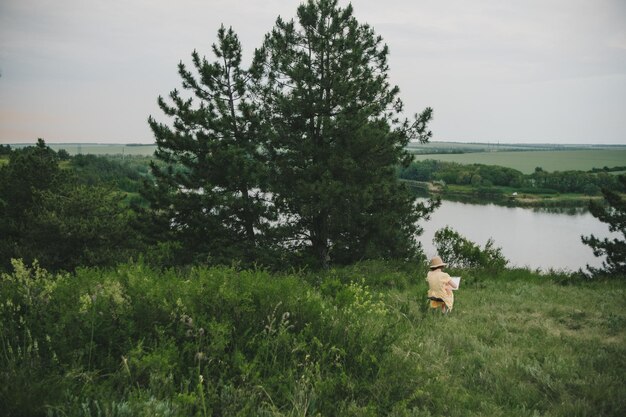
x=46, y=216
x=30, y=170
x=460, y=252
x=613, y=213
x=78, y=225
x=63, y=155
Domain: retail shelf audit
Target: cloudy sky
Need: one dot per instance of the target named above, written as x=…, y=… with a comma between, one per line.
x=531, y=71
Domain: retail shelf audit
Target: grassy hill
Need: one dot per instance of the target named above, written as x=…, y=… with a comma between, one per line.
x=353, y=341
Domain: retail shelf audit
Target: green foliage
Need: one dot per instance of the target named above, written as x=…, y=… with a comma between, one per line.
x=421, y=171
x=79, y=225
x=5, y=149
x=335, y=137
x=613, y=213
x=63, y=155
x=574, y=181
x=486, y=177
x=46, y=215
x=30, y=171
x=458, y=252
x=349, y=341
x=124, y=174
x=29, y=363
x=293, y=161
x=209, y=191
x=201, y=342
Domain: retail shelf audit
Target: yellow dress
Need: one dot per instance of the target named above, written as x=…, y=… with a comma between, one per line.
x=439, y=287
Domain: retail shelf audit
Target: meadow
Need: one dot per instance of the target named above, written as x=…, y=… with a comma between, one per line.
x=461, y=147
x=104, y=149
x=527, y=161
x=351, y=341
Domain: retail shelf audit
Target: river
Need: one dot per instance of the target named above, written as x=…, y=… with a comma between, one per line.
x=528, y=238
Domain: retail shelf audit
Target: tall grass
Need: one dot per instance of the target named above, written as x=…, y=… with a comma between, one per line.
x=354, y=341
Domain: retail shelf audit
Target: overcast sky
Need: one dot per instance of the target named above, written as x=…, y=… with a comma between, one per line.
x=531, y=71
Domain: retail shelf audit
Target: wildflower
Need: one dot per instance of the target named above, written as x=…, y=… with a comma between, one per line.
x=84, y=302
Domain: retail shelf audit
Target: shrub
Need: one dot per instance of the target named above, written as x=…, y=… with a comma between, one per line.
x=460, y=252
x=199, y=341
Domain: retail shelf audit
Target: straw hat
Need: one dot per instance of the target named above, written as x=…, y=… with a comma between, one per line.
x=436, y=262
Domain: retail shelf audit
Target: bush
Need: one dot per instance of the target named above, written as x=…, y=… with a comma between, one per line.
x=199, y=341
x=460, y=252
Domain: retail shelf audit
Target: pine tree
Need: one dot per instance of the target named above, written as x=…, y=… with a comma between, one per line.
x=46, y=216
x=78, y=225
x=613, y=213
x=30, y=171
x=335, y=137
x=209, y=191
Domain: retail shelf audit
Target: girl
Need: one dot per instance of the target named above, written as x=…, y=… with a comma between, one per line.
x=440, y=286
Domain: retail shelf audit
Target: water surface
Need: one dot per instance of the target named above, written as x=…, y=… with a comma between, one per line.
x=536, y=239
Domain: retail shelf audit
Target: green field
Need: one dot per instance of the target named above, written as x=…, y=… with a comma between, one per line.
x=446, y=147
x=104, y=149
x=354, y=341
x=527, y=161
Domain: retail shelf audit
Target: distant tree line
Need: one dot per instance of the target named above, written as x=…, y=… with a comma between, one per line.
x=479, y=175
x=607, y=169
x=125, y=174
x=62, y=217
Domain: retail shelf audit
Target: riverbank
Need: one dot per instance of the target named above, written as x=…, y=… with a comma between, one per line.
x=512, y=197
x=351, y=341
x=504, y=196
